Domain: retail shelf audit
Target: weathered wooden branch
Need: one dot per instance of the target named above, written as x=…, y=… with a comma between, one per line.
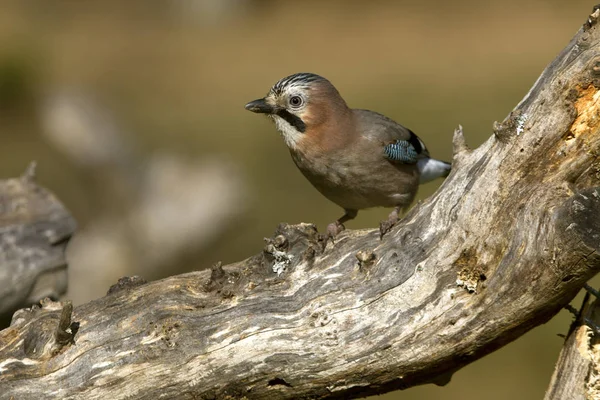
x=577, y=372
x=34, y=230
x=508, y=240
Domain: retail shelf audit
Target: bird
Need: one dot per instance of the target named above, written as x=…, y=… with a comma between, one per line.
x=356, y=158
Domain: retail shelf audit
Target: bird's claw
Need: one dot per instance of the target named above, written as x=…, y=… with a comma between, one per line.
x=388, y=224
x=334, y=229
x=385, y=227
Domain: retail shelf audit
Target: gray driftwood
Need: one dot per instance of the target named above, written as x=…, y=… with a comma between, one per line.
x=34, y=230
x=507, y=241
x=577, y=372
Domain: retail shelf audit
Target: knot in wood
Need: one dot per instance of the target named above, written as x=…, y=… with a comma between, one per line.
x=592, y=18
x=596, y=67
x=218, y=277
x=47, y=333
x=365, y=258
x=280, y=242
x=513, y=124
x=470, y=273
x=126, y=282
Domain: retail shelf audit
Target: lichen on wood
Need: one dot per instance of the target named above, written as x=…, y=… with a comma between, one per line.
x=517, y=219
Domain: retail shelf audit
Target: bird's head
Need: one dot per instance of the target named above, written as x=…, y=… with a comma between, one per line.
x=301, y=105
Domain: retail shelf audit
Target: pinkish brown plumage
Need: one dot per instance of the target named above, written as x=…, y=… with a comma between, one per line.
x=356, y=158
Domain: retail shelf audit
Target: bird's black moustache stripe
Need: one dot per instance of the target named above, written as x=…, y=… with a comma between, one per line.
x=292, y=119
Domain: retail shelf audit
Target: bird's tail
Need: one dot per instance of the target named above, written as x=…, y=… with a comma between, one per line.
x=431, y=169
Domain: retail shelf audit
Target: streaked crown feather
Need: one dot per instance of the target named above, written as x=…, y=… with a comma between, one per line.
x=302, y=79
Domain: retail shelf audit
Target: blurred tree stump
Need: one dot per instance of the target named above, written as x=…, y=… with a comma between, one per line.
x=34, y=230
x=577, y=372
x=508, y=240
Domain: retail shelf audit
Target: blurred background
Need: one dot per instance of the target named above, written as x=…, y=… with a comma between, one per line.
x=135, y=113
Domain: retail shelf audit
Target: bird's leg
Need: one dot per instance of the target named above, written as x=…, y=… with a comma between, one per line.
x=388, y=224
x=336, y=227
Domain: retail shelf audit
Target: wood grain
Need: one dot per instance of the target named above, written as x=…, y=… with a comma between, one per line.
x=507, y=241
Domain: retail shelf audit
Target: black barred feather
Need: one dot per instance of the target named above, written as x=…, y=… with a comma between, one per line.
x=402, y=151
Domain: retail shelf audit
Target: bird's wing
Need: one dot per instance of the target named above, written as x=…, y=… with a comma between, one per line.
x=401, y=151
x=400, y=144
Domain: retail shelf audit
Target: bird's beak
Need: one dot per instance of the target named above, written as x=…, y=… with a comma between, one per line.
x=260, y=106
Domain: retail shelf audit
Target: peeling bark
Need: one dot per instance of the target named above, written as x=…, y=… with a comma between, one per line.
x=506, y=242
x=577, y=372
x=34, y=230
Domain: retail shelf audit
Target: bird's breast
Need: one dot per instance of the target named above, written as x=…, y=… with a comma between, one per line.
x=357, y=180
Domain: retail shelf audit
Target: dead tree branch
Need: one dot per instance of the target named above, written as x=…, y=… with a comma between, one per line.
x=34, y=230
x=508, y=240
x=577, y=372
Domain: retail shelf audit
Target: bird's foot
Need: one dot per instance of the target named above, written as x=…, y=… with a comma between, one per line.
x=333, y=229
x=388, y=224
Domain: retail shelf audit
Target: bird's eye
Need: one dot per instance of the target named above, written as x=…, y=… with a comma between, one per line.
x=295, y=101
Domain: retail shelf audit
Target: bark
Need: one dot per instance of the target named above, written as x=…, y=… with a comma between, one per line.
x=577, y=372
x=507, y=241
x=34, y=230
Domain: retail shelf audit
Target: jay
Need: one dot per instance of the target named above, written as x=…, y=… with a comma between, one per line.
x=356, y=158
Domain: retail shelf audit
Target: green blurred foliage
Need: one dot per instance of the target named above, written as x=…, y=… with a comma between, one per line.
x=178, y=76
x=17, y=80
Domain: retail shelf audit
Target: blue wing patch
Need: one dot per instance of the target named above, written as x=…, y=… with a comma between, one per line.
x=402, y=151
